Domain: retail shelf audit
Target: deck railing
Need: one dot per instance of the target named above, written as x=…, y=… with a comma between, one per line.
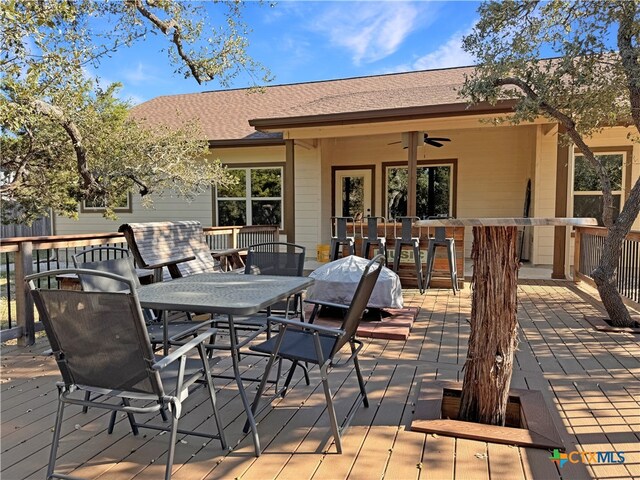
x=588, y=250
x=21, y=256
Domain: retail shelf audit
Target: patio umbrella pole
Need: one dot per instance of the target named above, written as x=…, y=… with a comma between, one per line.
x=493, y=337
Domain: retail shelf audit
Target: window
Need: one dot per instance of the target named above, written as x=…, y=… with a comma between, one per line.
x=256, y=198
x=587, y=192
x=98, y=204
x=434, y=191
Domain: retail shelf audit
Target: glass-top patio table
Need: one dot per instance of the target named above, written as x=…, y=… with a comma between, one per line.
x=229, y=294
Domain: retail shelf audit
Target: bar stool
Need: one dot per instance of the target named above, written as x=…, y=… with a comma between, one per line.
x=339, y=238
x=407, y=239
x=441, y=240
x=372, y=237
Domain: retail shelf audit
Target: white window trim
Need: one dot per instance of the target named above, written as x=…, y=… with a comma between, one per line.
x=247, y=188
x=128, y=208
x=620, y=192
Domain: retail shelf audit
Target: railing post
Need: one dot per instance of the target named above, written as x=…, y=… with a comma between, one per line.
x=576, y=254
x=24, y=302
x=234, y=237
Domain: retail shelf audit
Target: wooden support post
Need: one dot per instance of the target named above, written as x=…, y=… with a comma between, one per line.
x=560, y=233
x=576, y=255
x=493, y=338
x=289, y=188
x=24, y=302
x=412, y=180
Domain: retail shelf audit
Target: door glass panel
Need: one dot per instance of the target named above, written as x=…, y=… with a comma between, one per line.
x=353, y=192
x=352, y=196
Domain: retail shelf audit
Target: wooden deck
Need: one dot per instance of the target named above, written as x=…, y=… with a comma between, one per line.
x=590, y=381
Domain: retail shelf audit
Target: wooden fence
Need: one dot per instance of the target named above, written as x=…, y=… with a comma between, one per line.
x=22, y=256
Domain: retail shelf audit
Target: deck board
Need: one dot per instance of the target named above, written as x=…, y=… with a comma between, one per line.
x=590, y=380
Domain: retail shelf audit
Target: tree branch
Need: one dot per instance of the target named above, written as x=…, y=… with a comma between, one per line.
x=89, y=183
x=608, y=207
x=166, y=27
x=629, y=57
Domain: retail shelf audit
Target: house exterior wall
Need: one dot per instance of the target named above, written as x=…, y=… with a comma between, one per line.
x=165, y=208
x=493, y=165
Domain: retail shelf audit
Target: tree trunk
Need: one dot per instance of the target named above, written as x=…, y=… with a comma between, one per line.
x=605, y=275
x=493, y=338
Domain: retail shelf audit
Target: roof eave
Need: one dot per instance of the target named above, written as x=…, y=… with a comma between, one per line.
x=373, y=116
x=246, y=142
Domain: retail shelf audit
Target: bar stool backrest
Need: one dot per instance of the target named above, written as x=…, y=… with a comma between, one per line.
x=372, y=227
x=340, y=227
x=406, y=228
x=441, y=232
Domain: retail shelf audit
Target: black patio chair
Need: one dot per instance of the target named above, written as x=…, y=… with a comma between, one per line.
x=101, y=346
x=278, y=258
x=117, y=261
x=316, y=344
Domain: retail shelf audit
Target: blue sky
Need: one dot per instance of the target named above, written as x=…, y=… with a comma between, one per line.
x=302, y=41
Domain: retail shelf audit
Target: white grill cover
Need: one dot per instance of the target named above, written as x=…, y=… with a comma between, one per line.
x=336, y=282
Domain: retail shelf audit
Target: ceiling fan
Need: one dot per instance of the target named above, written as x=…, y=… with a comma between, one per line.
x=433, y=141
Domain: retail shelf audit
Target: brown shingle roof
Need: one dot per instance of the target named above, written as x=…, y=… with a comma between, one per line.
x=225, y=114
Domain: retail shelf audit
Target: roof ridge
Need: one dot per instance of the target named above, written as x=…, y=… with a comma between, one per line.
x=329, y=80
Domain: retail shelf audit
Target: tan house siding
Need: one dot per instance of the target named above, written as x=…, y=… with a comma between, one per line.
x=493, y=168
x=544, y=193
x=308, y=194
x=165, y=208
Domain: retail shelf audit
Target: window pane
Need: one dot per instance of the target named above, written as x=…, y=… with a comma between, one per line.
x=237, y=190
x=266, y=182
x=396, y=192
x=352, y=196
x=232, y=212
x=591, y=206
x=586, y=179
x=266, y=212
x=433, y=191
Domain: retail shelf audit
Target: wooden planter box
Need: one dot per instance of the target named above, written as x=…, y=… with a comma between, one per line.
x=528, y=420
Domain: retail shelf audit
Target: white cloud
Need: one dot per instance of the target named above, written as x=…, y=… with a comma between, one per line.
x=449, y=54
x=369, y=30
x=140, y=74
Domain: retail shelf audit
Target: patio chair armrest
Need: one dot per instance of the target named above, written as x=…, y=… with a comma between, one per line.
x=327, y=304
x=176, y=354
x=307, y=326
x=191, y=330
x=168, y=263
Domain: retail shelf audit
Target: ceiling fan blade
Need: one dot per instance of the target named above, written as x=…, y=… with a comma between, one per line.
x=433, y=143
x=394, y=143
x=438, y=139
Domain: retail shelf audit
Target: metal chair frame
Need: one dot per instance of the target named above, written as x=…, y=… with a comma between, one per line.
x=407, y=239
x=124, y=267
x=145, y=380
x=340, y=236
x=372, y=237
x=440, y=240
x=316, y=344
